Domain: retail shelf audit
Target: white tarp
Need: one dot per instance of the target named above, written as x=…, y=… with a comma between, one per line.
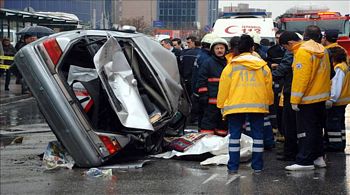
x=216, y=145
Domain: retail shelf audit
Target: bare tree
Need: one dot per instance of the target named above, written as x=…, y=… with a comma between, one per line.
x=138, y=22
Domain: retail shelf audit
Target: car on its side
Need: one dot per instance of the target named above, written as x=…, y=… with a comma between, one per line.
x=102, y=90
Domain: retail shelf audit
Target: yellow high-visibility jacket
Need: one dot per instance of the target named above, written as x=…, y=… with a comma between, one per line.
x=245, y=86
x=229, y=57
x=337, y=45
x=344, y=97
x=333, y=45
x=311, y=73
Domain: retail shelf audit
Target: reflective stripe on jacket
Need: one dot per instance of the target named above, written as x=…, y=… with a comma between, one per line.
x=245, y=86
x=209, y=76
x=311, y=73
x=344, y=97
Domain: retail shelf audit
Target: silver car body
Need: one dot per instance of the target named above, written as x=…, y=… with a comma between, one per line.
x=137, y=76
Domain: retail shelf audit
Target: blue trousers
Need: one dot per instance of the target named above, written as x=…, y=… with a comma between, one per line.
x=269, y=140
x=235, y=122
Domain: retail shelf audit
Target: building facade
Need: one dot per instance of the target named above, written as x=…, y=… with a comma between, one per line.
x=244, y=7
x=94, y=14
x=168, y=14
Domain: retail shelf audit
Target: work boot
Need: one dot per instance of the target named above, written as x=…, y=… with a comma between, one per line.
x=296, y=167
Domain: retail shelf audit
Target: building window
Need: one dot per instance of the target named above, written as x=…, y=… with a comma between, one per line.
x=161, y=12
x=170, y=12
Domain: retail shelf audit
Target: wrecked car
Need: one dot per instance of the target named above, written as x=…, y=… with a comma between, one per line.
x=102, y=90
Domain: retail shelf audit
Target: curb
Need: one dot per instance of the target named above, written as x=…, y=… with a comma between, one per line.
x=5, y=100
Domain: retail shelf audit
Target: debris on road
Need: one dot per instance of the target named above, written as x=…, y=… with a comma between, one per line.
x=96, y=172
x=56, y=156
x=184, y=142
x=9, y=139
x=17, y=140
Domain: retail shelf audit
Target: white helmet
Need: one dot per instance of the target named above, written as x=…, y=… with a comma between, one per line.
x=219, y=41
x=209, y=38
x=256, y=37
x=300, y=36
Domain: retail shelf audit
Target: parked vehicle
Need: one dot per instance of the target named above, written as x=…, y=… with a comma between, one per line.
x=238, y=23
x=325, y=20
x=102, y=90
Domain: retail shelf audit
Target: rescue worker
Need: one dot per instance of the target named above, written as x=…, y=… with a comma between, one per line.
x=329, y=40
x=310, y=90
x=284, y=71
x=340, y=98
x=274, y=57
x=269, y=140
x=9, y=51
x=245, y=90
x=208, y=83
x=234, y=42
x=259, y=49
x=203, y=54
x=191, y=42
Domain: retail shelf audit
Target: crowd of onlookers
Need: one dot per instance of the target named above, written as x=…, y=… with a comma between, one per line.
x=297, y=88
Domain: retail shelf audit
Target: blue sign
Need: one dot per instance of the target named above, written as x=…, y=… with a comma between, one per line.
x=207, y=28
x=157, y=23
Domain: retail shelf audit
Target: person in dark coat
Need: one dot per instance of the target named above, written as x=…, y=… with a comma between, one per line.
x=284, y=72
x=188, y=60
x=9, y=50
x=208, y=86
x=167, y=44
x=203, y=54
x=28, y=38
x=177, y=43
x=274, y=57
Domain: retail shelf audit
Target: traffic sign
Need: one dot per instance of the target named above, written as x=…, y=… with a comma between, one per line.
x=157, y=23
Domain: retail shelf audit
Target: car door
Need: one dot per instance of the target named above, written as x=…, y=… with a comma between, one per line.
x=121, y=86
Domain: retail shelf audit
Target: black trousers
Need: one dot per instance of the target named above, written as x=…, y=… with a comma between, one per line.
x=7, y=78
x=335, y=128
x=289, y=128
x=212, y=119
x=309, y=132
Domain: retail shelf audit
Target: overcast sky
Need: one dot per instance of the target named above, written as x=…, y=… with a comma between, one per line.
x=279, y=7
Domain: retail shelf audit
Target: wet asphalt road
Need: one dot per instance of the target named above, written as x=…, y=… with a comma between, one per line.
x=22, y=171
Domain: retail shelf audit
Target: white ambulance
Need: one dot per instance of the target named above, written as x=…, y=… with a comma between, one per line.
x=238, y=23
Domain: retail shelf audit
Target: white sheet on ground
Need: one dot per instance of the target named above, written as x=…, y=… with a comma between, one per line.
x=217, y=146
